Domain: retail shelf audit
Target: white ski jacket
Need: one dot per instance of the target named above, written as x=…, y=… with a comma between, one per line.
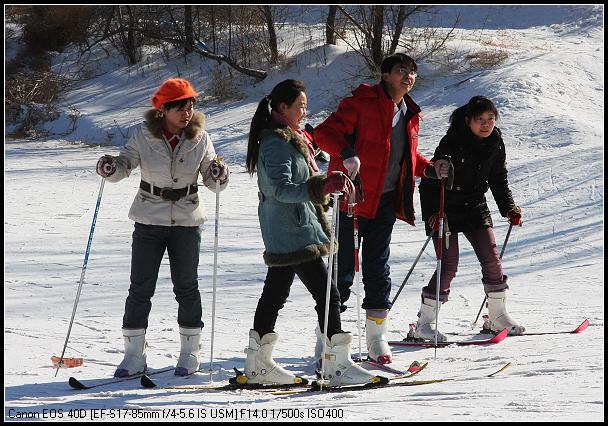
x=166, y=168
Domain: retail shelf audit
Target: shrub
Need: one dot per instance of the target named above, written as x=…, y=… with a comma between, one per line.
x=51, y=28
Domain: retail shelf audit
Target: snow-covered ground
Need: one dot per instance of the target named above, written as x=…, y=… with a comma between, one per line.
x=550, y=93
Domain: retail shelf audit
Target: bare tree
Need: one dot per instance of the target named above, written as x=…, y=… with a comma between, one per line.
x=188, y=30
x=330, y=25
x=376, y=34
x=132, y=25
x=272, y=34
x=373, y=26
x=129, y=41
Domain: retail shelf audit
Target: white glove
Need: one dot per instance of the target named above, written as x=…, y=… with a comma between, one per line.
x=352, y=165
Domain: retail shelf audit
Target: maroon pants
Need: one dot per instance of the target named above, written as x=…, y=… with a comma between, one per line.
x=484, y=245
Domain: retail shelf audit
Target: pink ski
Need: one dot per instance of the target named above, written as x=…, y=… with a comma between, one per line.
x=427, y=344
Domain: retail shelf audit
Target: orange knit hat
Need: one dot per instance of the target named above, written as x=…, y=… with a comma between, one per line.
x=173, y=89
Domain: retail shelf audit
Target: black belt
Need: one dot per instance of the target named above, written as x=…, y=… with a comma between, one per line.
x=169, y=194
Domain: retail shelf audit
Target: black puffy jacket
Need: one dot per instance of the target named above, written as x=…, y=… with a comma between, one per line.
x=478, y=165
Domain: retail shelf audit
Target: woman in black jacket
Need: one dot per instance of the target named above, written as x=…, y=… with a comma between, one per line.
x=477, y=152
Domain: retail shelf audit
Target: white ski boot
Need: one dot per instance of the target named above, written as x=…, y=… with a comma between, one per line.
x=188, y=362
x=426, y=320
x=499, y=317
x=378, y=349
x=134, y=361
x=260, y=368
x=340, y=369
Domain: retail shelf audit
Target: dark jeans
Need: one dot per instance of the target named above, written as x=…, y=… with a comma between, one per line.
x=484, y=245
x=149, y=244
x=276, y=291
x=375, y=250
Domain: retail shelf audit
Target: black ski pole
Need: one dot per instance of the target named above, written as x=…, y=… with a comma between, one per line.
x=411, y=269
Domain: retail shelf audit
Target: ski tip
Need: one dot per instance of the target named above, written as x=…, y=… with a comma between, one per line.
x=416, y=366
x=76, y=384
x=147, y=382
x=503, y=368
x=581, y=327
x=500, y=336
x=421, y=367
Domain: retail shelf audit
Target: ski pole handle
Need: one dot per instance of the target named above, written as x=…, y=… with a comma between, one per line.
x=107, y=168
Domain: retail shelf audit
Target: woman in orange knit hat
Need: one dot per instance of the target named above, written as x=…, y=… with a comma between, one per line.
x=173, y=149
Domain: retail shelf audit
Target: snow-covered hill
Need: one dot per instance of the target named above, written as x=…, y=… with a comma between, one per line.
x=550, y=93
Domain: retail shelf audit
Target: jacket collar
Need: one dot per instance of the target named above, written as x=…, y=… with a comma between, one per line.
x=193, y=131
x=409, y=102
x=367, y=90
x=289, y=136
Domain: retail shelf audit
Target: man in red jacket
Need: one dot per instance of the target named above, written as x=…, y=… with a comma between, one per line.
x=375, y=133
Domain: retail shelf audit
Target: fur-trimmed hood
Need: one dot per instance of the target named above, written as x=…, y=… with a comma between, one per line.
x=195, y=128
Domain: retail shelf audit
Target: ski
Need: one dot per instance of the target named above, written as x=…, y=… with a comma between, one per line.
x=147, y=382
x=232, y=387
x=77, y=384
x=225, y=387
x=315, y=387
x=234, y=383
x=412, y=370
x=582, y=327
x=426, y=344
x=414, y=367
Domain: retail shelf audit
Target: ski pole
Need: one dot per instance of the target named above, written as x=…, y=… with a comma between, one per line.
x=439, y=255
x=502, y=251
x=337, y=228
x=352, y=211
x=411, y=269
x=330, y=264
x=84, y=268
x=215, y=244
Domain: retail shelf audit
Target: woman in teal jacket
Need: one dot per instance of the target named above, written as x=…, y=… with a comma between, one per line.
x=295, y=233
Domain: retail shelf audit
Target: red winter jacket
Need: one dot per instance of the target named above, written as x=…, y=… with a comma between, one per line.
x=366, y=118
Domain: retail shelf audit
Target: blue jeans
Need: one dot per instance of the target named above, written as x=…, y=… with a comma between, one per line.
x=149, y=244
x=375, y=250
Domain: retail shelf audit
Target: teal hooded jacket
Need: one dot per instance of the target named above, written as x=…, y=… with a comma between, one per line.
x=291, y=200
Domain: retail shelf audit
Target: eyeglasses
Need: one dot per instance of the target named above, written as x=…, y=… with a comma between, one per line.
x=406, y=71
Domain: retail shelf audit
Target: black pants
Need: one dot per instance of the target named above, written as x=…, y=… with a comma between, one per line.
x=149, y=245
x=276, y=291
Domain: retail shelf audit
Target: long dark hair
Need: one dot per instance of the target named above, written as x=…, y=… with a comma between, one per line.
x=285, y=92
